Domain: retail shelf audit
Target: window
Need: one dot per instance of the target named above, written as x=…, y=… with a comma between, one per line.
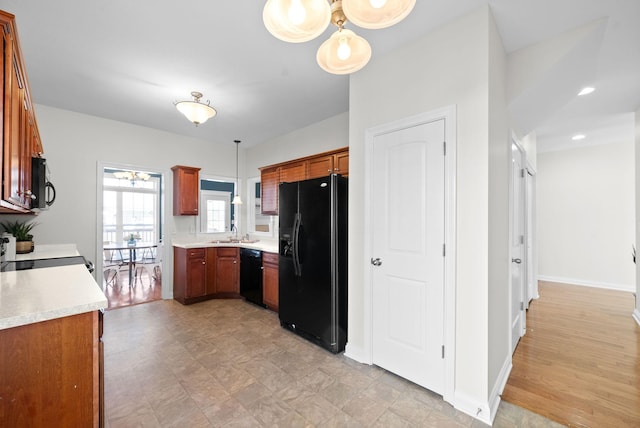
x=131, y=206
x=215, y=213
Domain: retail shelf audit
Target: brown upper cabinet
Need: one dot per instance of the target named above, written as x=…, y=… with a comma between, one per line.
x=186, y=183
x=320, y=165
x=20, y=135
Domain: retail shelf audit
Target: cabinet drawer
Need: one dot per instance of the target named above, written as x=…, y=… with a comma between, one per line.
x=195, y=252
x=227, y=252
x=270, y=258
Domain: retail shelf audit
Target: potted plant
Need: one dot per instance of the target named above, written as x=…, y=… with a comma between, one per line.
x=21, y=231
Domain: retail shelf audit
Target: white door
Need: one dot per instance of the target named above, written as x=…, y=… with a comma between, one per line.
x=407, y=267
x=518, y=254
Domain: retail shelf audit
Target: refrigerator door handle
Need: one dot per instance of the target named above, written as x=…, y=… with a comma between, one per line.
x=297, y=270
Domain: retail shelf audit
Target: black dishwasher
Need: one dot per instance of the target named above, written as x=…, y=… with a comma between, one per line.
x=251, y=276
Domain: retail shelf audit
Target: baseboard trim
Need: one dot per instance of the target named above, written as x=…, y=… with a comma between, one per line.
x=356, y=353
x=636, y=315
x=477, y=409
x=574, y=281
x=498, y=387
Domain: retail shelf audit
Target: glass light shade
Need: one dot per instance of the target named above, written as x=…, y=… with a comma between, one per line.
x=196, y=112
x=296, y=21
x=236, y=200
x=375, y=13
x=331, y=54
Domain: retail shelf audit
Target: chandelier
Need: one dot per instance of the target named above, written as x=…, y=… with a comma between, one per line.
x=344, y=52
x=236, y=198
x=196, y=111
x=132, y=176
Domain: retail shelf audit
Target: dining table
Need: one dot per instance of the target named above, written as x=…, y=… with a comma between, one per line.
x=132, y=247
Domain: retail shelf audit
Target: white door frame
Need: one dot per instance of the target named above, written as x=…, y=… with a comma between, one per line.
x=530, y=235
x=449, y=116
x=525, y=260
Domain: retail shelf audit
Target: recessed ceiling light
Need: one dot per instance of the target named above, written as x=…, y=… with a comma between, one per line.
x=578, y=137
x=586, y=90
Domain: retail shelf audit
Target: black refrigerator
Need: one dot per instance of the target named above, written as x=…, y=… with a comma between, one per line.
x=312, y=272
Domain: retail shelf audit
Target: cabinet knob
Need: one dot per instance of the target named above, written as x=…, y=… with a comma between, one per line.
x=328, y=170
x=336, y=169
x=203, y=263
x=235, y=261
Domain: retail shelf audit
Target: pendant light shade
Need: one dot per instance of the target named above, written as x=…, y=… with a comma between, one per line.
x=345, y=52
x=196, y=111
x=296, y=21
x=376, y=14
x=236, y=199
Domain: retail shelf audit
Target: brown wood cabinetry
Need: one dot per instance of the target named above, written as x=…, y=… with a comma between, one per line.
x=186, y=184
x=205, y=273
x=227, y=272
x=320, y=165
x=270, y=280
x=189, y=275
x=20, y=135
x=269, y=180
x=50, y=373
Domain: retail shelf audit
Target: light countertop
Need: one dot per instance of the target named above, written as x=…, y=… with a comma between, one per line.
x=35, y=295
x=49, y=251
x=270, y=246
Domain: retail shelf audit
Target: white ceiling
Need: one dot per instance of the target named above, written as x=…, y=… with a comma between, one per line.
x=130, y=60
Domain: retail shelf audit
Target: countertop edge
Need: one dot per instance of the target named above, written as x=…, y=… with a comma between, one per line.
x=269, y=248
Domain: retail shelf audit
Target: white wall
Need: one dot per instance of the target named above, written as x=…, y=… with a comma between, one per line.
x=447, y=67
x=74, y=144
x=586, y=215
x=636, y=312
x=328, y=134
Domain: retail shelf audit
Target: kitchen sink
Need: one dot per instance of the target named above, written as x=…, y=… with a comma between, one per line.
x=235, y=241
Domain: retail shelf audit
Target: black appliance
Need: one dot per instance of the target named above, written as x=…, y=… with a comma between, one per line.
x=312, y=275
x=46, y=263
x=43, y=192
x=251, y=275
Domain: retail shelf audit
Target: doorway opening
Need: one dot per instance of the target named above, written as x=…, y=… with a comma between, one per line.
x=131, y=225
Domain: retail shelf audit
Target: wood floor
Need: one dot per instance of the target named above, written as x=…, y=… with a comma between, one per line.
x=579, y=363
x=145, y=287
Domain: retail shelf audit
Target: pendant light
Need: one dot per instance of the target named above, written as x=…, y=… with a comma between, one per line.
x=196, y=111
x=236, y=198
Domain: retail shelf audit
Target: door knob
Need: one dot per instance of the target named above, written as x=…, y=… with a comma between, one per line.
x=376, y=261
x=518, y=261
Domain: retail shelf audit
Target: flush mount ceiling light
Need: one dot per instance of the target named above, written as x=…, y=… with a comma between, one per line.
x=578, y=137
x=194, y=110
x=236, y=198
x=345, y=52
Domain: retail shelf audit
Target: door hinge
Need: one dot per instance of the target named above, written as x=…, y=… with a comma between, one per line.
x=444, y=148
x=444, y=250
x=442, y=351
x=522, y=306
x=522, y=239
x=522, y=173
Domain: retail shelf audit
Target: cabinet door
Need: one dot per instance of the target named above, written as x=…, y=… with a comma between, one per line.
x=14, y=130
x=293, y=172
x=341, y=163
x=227, y=271
x=196, y=276
x=270, y=280
x=269, y=180
x=320, y=166
x=186, y=185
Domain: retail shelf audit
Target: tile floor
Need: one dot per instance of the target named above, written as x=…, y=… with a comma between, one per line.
x=229, y=363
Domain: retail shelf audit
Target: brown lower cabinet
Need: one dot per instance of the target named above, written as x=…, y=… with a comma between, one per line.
x=50, y=373
x=270, y=280
x=205, y=273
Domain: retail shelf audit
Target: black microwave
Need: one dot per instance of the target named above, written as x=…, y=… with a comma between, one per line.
x=43, y=192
